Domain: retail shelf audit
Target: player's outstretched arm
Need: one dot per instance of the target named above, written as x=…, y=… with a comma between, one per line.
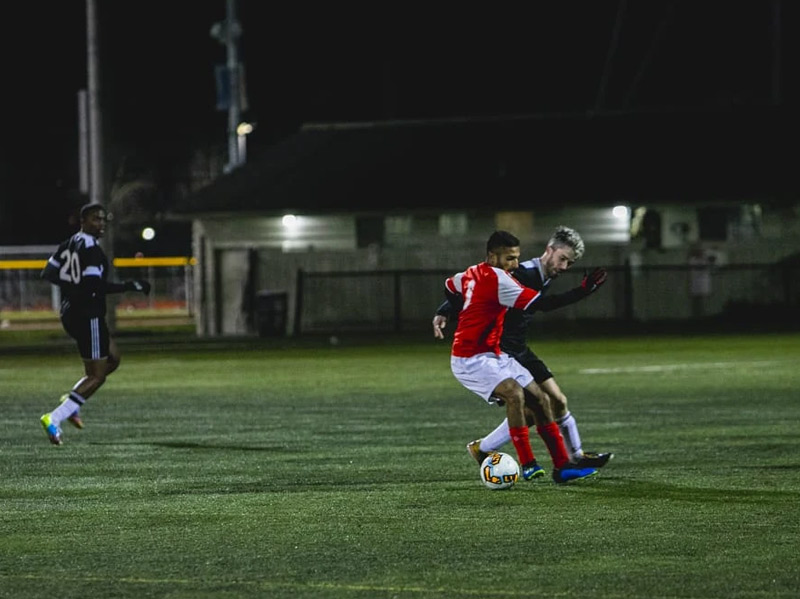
x=140, y=286
x=592, y=281
x=50, y=273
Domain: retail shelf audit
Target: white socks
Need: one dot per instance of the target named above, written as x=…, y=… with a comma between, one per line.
x=497, y=438
x=67, y=408
x=567, y=425
x=572, y=439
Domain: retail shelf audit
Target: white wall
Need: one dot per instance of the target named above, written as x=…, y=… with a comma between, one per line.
x=324, y=244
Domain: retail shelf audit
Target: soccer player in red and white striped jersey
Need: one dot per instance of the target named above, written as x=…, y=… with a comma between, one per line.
x=563, y=249
x=481, y=366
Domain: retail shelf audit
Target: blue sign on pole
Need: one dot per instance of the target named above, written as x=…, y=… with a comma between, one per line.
x=223, y=79
x=223, y=86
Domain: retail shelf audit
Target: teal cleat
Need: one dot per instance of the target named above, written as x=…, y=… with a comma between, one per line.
x=51, y=430
x=532, y=470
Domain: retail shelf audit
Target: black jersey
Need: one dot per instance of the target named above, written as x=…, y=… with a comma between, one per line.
x=515, y=325
x=79, y=267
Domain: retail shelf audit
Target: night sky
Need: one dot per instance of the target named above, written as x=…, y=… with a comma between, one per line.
x=392, y=61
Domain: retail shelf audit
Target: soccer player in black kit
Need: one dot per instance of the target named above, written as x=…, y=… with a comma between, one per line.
x=79, y=267
x=563, y=249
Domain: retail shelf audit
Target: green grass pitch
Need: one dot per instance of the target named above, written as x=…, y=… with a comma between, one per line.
x=262, y=470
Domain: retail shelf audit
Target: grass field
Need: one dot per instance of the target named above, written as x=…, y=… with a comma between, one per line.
x=225, y=471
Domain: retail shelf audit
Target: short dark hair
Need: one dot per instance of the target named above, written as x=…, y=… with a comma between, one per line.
x=87, y=209
x=501, y=239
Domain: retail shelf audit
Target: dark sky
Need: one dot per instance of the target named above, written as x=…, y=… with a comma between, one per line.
x=312, y=64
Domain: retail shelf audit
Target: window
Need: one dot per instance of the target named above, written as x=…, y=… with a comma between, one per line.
x=398, y=225
x=451, y=225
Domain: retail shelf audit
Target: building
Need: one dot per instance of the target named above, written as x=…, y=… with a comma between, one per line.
x=395, y=197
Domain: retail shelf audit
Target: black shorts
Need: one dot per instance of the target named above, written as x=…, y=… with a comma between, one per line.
x=534, y=365
x=90, y=334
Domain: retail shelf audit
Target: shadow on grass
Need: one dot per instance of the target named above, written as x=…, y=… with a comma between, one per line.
x=190, y=445
x=649, y=490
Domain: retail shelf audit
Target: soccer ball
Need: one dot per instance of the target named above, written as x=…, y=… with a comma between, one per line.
x=499, y=471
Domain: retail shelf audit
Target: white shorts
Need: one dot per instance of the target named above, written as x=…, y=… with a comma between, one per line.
x=482, y=373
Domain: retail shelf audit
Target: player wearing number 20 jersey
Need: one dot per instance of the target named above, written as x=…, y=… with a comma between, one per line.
x=82, y=270
x=79, y=268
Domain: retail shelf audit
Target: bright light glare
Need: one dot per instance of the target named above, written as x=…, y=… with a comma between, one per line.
x=289, y=221
x=244, y=128
x=148, y=233
x=620, y=211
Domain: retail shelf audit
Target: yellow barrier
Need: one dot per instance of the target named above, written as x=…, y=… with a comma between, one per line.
x=175, y=261
x=118, y=262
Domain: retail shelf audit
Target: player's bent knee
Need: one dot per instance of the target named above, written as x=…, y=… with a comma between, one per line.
x=535, y=401
x=559, y=402
x=514, y=401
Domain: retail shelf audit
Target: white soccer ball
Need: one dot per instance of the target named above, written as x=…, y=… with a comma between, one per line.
x=499, y=471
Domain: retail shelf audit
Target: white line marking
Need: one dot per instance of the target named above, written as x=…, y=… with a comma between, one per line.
x=673, y=367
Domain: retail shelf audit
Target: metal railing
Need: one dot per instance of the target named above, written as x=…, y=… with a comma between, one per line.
x=23, y=290
x=397, y=300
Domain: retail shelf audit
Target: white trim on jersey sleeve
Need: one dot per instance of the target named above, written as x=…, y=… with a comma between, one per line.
x=510, y=291
x=92, y=271
x=453, y=284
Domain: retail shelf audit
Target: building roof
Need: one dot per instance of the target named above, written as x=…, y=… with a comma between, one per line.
x=515, y=163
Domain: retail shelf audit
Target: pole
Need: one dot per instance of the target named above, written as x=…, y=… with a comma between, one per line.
x=96, y=183
x=776, y=52
x=83, y=142
x=612, y=50
x=232, y=32
x=97, y=190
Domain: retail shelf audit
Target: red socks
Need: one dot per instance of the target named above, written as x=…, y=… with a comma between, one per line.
x=555, y=443
x=522, y=443
x=551, y=437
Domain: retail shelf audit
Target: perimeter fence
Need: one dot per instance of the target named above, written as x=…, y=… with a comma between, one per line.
x=398, y=300
x=22, y=290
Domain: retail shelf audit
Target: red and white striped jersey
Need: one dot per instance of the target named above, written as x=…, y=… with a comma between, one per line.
x=488, y=292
